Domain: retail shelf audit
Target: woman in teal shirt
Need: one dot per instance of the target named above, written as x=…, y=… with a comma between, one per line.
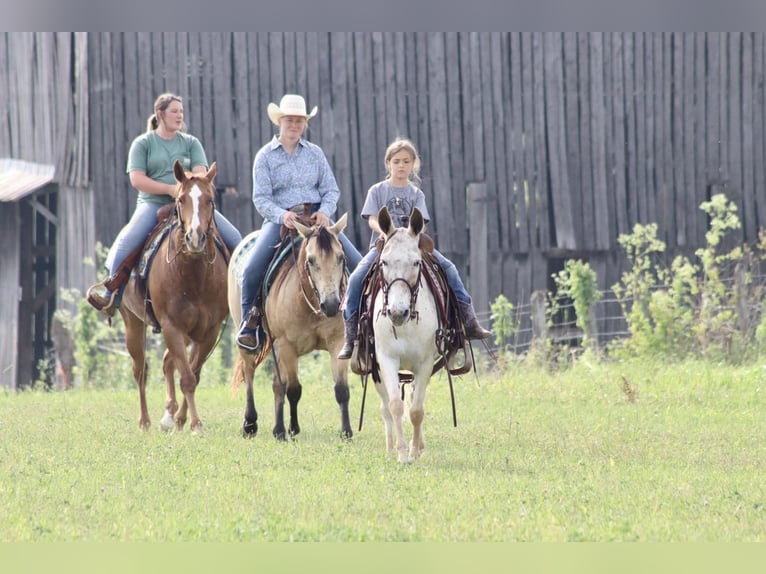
x=150, y=168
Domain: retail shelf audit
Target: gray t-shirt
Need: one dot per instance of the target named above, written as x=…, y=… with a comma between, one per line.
x=398, y=200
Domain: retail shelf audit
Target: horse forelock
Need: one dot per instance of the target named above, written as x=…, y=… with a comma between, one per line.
x=324, y=240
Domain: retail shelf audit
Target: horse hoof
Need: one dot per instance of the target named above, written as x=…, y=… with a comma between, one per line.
x=249, y=430
x=346, y=434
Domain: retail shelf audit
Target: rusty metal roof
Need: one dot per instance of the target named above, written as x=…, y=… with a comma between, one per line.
x=19, y=178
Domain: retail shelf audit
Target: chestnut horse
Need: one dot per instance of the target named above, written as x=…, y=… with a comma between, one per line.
x=405, y=323
x=301, y=315
x=187, y=288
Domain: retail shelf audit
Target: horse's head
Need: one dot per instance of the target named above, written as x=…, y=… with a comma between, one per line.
x=400, y=261
x=324, y=264
x=195, y=204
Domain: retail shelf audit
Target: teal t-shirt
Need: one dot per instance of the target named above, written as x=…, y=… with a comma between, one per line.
x=155, y=156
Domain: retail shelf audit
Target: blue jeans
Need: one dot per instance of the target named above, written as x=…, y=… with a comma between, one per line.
x=263, y=251
x=354, y=290
x=144, y=218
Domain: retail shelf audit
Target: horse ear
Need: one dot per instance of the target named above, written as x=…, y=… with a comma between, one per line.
x=210, y=175
x=417, y=223
x=304, y=231
x=384, y=221
x=339, y=226
x=179, y=172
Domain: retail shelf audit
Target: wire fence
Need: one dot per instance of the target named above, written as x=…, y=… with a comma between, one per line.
x=609, y=322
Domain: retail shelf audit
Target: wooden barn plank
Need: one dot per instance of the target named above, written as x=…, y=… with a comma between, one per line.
x=156, y=52
x=206, y=100
x=603, y=239
x=376, y=146
x=5, y=98
x=276, y=67
x=135, y=116
x=759, y=127
x=423, y=140
x=236, y=203
x=545, y=234
x=353, y=133
x=734, y=133
x=749, y=213
x=194, y=97
x=441, y=178
x=621, y=212
x=222, y=108
x=474, y=171
x=340, y=46
x=561, y=205
x=689, y=136
x=666, y=224
x=364, y=96
x=293, y=83
x=455, y=153
x=571, y=97
x=123, y=202
x=529, y=184
x=308, y=70
x=241, y=180
x=630, y=121
x=650, y=111
x=184, y=63
x=501, y=115
x=519, y=142
x=677, y=143
x=700, y=118
x=582, y=84
x=171, y=64
x=639, y=102
x=490, y=137
x=713, y=133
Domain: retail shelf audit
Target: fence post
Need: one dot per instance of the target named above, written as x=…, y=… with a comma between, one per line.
x=477, y=233
x=539, y=324
x=740, y=286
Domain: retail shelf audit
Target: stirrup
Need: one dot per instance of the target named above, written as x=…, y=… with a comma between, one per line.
x=99, y=302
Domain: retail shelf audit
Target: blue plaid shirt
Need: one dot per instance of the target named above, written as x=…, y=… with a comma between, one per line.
x=281, y=181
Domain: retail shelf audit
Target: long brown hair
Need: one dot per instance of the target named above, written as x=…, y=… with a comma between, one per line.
x=160, y=105
x=395, y=147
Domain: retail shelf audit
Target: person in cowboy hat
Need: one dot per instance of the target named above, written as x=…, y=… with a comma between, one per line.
x=287, y=172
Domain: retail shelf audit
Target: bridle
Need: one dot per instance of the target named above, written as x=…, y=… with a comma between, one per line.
x=209, y=237
x=414, y=290
x=305, y=272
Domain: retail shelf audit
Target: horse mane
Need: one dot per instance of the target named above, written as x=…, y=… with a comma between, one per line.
x=324, y=239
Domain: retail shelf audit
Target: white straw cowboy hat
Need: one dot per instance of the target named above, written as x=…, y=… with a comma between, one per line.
x=289, y=105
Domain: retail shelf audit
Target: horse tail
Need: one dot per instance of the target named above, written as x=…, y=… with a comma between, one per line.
x=237, y=374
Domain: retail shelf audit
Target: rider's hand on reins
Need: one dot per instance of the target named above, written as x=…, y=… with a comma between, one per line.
x=288, y=219
x=321, y=219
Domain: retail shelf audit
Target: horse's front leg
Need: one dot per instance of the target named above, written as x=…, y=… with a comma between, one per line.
x=167, y=422
x=417, y=412
x=135, y=330
x=340, y=376
x=176, y=345
x=250, y=424
x=388, y=423
x=389, y=375
x=287, y=360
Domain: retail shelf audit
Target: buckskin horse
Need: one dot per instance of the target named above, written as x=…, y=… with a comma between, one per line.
x=301, y=314
x=185, y=291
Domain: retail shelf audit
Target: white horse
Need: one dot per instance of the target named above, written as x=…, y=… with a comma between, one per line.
x=404, y=322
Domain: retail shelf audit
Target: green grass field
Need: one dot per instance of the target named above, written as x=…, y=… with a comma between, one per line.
x=601, y=452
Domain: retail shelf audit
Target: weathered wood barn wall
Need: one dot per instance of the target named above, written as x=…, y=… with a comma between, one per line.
x=577, y=136
x=45, y=233
x=536, y=147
